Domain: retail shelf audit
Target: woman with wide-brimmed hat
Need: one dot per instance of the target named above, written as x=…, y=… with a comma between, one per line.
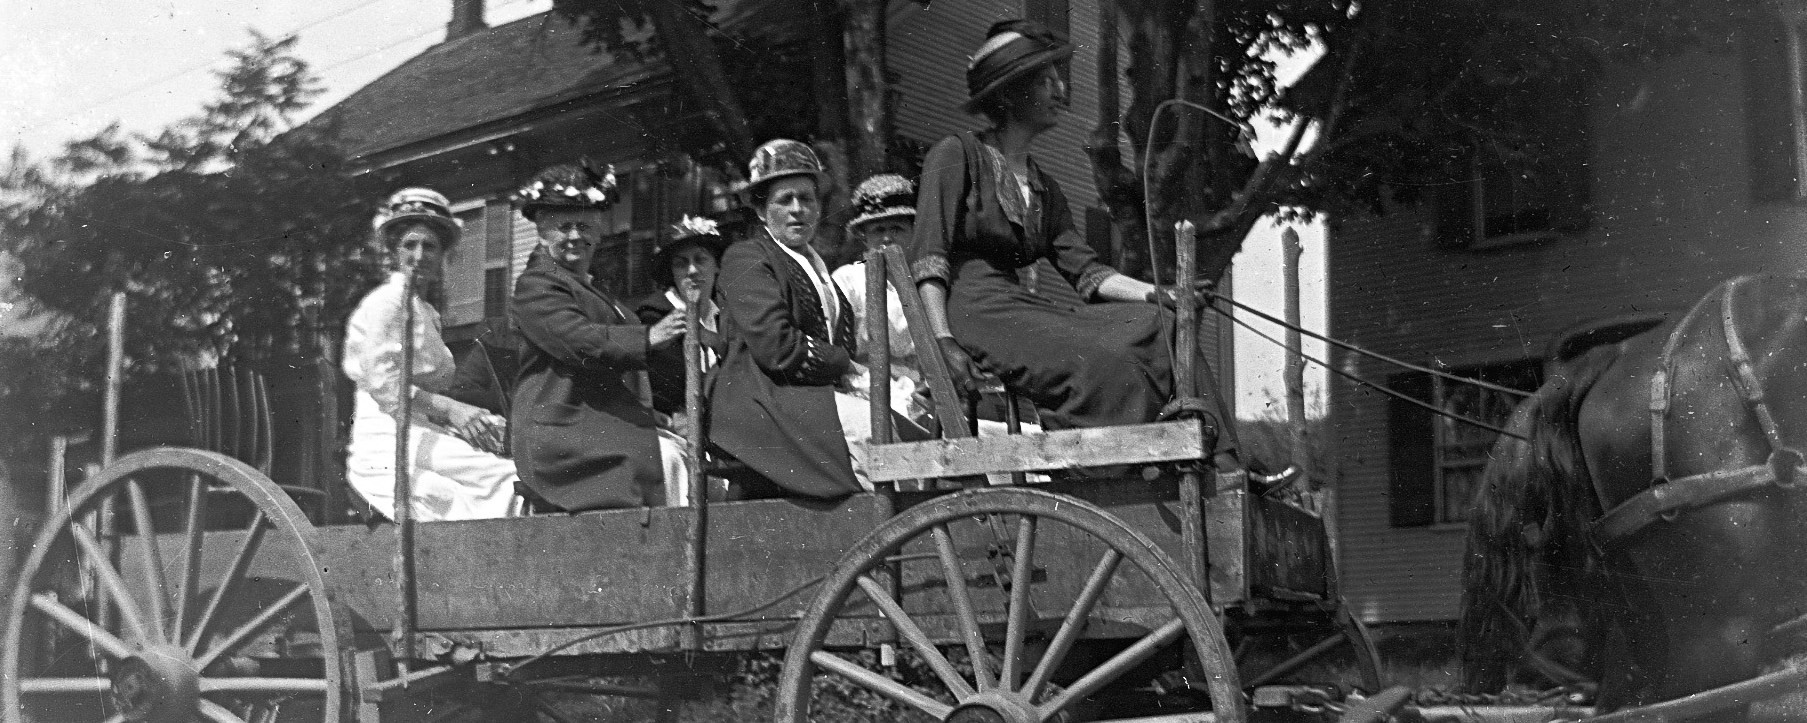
x=584, y=435
x=685, y=266
x=789, y=339
x=987, y=215
x=884, y=208
x=456, y=469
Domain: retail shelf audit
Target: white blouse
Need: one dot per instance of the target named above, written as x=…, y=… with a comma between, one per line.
x=373, y=346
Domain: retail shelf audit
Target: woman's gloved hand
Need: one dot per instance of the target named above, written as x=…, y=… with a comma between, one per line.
x=960, y=365
x=1167, y=295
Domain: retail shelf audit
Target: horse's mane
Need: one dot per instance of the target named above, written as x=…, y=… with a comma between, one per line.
x=1527, y=533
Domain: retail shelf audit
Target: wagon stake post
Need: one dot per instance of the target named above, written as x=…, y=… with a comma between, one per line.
x=693, y=458
x=1192, y=519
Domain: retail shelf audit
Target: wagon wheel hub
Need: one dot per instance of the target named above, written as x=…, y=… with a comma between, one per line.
x=995, y=707
x=158, y=684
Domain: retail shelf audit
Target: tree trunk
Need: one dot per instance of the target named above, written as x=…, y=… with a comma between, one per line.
x=699, y=71
x=868, y=89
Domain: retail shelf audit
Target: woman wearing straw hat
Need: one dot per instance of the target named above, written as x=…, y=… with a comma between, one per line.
x=584, y=435
x=456, y=470
x=885, y=208
x=789, y=339
x=986, y=214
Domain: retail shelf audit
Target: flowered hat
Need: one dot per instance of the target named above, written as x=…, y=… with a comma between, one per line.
x=569, y=186
x=418, y=204
x=1012, y=49
x=783, y=158
x=698, y=230
x=886, y=195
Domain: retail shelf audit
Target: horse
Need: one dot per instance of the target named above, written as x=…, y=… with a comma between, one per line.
x=1653, y=500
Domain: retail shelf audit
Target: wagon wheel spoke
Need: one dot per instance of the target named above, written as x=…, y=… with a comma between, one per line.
x=880, y=684
x=156, y=587
x=240, y=564
x=76, y=623
x=64, y=686
x=963, y=607
x=191, y=554
x=1118, y=665
x=264, y=686
x=237, y=637
x=1017, y=621
x=102, y=564
x=218, y=713
x=1074, y=624
x=907, y=627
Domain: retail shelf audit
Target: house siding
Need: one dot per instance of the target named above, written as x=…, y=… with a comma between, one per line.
x=1672, y=216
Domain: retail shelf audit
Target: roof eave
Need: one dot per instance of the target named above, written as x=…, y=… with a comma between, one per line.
x=608, y=98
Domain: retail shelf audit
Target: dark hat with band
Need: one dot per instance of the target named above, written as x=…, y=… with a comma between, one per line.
x=1012, y=49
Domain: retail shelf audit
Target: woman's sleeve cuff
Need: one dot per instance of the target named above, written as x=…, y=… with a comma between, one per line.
x=931, y=267
x=1093, y=277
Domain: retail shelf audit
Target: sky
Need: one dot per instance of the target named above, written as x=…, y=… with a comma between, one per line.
x=67, y=70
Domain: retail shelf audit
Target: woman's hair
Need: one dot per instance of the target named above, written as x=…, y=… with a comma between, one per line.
x=392, y=235
x=996, y=107
x=758, y=195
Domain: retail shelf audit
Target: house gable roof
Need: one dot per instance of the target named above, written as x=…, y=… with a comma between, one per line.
x=487, y=76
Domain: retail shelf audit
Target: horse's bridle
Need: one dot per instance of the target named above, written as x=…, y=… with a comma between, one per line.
x=1667, y=498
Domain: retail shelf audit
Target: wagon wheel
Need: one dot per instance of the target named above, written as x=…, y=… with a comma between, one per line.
x=172, y=627
x=1010, y=691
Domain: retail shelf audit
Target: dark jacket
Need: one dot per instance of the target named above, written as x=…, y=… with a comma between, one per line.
x=771, y=402
x=582, y=438
x=665, y=365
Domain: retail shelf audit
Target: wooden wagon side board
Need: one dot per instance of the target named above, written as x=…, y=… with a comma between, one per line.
x=1065, y=449
x=1264, y=549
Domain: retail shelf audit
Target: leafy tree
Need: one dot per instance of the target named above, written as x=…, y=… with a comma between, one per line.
x=231, y=233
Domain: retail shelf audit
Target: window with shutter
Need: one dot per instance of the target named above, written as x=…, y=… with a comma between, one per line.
x=1527, y=182
x=1437, y=461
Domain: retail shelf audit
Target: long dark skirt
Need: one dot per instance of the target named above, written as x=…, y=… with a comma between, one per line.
x=1089, y=365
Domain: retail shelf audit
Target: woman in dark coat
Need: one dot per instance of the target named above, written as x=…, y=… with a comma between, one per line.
x=986, y=214
x=685, y=266
x=583, y=436
x=789, y=334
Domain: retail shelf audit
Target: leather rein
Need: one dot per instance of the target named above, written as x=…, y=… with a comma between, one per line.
x=1667, y=497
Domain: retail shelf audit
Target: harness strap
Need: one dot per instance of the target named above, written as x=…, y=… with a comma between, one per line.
x=1746, y=375
x=1666, y=500
x=1659, y=393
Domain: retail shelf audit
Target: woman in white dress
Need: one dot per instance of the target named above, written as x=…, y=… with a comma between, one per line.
x=455, y=448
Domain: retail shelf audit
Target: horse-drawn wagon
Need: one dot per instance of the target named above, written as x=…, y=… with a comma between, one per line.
x=179, y=584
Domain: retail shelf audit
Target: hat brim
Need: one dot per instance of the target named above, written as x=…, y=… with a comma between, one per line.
x=746, y=194
x=891, y=212
x=445, y=225
x=1028, y=64
x=661, y=261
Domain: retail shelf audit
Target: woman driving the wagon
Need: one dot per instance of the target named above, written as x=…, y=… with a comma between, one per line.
x=789, y=340
x=987, y=214
x=584, y=435
x=454, y=448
